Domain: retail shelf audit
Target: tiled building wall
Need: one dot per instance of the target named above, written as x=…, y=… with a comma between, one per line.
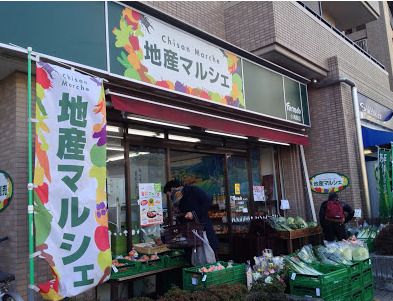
x=205, y=15
x=379, y=39
x=13, y=221
x=8, y=258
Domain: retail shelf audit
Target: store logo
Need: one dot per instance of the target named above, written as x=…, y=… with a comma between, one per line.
x=293, y=109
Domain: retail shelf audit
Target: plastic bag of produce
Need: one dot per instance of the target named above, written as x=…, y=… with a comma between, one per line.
x=360, y=253
x=306, y=254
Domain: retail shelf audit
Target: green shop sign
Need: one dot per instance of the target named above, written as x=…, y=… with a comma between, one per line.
x=328, y=182
x=6, y=190
x=148, y=50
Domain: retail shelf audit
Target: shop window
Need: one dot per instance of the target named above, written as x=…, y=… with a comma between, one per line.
x=239, y=193
x=147, y=165
x=263, y=171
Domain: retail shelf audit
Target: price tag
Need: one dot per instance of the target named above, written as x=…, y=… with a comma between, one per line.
x=318, y=292
x=293, y=276
x=114, y=268
x=358, y=213
x=284, y=205
x=204, y=278
x=194, y=281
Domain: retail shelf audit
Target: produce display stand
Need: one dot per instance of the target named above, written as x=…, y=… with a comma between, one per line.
x=301, y=234
x=136, y=270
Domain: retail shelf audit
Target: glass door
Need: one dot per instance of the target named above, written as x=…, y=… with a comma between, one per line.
x=147, y=166
x=238, y=181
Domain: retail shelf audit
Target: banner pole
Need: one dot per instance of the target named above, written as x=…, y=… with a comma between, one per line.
x=30, y=179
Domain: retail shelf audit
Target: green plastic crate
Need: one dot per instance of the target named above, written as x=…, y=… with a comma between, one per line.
x=194, y=280
x=356, y=283
x=356, y=268
x=365, y=264
x=153, y=265
x=367, y=277
x=333, y=285
x=129, y=269
x=357, y=296
x=368, y=293
x=173, y=261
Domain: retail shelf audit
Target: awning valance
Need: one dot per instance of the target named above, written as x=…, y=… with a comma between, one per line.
x=184, y=116
x=373, y=137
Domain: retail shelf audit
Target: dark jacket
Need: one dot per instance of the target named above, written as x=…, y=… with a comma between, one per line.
x=196, y=200
x=346, y=209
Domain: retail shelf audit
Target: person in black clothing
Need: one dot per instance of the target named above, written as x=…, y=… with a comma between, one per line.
x=334, y=228
x=190, y=200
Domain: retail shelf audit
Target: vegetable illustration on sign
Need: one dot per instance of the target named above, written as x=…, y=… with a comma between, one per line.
x=328, y=182
x=155, y=53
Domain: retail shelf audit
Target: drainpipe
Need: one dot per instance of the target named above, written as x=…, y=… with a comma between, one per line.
x=355, y=102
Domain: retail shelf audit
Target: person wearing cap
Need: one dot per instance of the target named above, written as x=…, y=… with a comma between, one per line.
x=333, y=215
x=190, y=200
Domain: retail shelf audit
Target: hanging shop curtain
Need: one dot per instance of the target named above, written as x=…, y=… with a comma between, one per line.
x=193, y=118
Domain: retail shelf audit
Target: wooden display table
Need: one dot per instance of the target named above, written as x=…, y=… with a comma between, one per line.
x=301, y=234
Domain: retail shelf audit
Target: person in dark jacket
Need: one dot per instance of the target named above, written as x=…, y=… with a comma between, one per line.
x=334, y=229
x=192, y=199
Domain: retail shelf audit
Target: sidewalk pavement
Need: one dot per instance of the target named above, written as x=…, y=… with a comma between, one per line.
x=383, y=295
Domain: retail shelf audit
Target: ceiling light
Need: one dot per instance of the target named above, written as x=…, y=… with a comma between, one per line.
x=145, y=133
x=159, y=122
x=225, y=134
x=111, y=128
x=273, y=142
x=183, y=138
x=121, y=157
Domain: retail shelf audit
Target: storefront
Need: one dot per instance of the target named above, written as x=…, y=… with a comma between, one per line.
x=377, y=132
x=183, y=104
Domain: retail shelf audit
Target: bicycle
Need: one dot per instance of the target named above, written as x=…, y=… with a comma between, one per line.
x=7, y=294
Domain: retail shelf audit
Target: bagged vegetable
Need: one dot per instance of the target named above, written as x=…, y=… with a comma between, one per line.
x=360, y=253
x=306, y=254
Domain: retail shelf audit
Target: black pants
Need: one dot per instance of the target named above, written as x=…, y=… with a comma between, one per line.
x=334, y=231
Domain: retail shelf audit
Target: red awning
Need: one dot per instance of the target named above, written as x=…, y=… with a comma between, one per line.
x=187, y=117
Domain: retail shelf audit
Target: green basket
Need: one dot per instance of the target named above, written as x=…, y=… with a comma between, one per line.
x=368, y=293
x=194, y=280
x=174, y=261
x=332, y=285
x=367, y=277
x=129, y=269
x=356, y=283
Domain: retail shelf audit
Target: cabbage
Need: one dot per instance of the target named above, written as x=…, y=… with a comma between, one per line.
x=360, y=253
x=290, y=220
x=300, y=222
x=282, y=220
x=312, y=224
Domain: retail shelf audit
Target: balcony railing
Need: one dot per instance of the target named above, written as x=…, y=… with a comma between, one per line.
x=362, y=43
x=343, y=36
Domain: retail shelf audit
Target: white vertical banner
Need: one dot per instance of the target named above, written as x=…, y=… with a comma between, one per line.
x=71, y=217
